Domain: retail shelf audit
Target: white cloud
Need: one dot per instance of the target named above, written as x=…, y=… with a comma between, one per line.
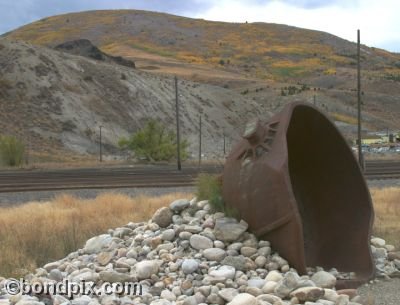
x=378, y=20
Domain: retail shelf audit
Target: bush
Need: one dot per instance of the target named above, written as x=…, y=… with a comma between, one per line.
x=11, y=151
x=154, y=143
x=209, y=187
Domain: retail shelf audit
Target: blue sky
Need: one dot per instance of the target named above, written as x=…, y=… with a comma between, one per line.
x=378, y=20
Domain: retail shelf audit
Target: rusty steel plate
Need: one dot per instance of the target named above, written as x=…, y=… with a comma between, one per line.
x=296, y=182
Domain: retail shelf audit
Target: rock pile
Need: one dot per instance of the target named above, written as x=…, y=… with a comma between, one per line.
x=187, y=255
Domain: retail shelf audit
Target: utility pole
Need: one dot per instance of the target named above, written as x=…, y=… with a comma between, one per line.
x=100, y=146
x=178, y=137
x=360, y=154
x=200, y=142
x=224, y=145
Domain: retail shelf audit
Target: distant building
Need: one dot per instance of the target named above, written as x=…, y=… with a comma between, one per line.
x=371, y=139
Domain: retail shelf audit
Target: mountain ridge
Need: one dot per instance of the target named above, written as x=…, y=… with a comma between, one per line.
x=244, y=70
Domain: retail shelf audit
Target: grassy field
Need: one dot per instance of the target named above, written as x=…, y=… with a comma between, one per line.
x=387, y=214
x=36, y=233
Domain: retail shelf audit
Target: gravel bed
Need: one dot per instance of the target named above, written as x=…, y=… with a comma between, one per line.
x=7, y=199
x=382, y=292
x=384, y=183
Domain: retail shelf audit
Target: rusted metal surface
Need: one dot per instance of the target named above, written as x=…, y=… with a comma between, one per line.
x=297, y=183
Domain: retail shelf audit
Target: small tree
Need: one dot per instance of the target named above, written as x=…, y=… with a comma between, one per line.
x=11, y=151
x=154, y=143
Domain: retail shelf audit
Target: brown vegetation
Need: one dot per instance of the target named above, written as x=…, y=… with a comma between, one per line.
x=387, y=214
x=37, y=233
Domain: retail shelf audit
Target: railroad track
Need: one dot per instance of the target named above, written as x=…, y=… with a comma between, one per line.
x=100, y=178
x=164, y=176
x=376, y=170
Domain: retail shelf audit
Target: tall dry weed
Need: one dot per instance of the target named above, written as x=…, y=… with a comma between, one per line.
x=36, y=233
x=387, y=214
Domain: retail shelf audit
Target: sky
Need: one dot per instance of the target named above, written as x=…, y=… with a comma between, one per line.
x=378, y=21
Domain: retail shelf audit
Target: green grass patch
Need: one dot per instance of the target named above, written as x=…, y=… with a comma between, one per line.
x=209, y=187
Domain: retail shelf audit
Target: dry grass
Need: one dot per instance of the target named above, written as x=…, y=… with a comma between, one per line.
x=344, y=118
x=37, y=233
x=387, y=214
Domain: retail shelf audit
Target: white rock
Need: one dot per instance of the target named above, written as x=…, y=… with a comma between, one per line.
x=189, y=266
x=112, y=276
x=269, y=287
x=304, y=294
x=168, y=295
x=190, y=301
x=51, y=266
x=287, y=284
x=325, y=302
x=270, y=299
x=160, y=302
x=248, y=251
x=145, y=269
x=163, y=217
x=331, y=295
x=378, y=242
x=179, y=205
x=214, y=254
x=256, y=282
x=227, y=272
x=96, y=244
x=199, y=242
x=228, y=229
x=260, y=261
x=83, y=300
x=88, y=276
x=228, y=294
x=55, y=275
x=274, y=276
x=243, y=299
x=168, y=235
x=324, y=279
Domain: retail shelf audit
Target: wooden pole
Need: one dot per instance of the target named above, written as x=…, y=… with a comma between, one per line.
x=200, y=142
x=360, y=154
x=100, y=145
x=224, y=145
x=178, y=137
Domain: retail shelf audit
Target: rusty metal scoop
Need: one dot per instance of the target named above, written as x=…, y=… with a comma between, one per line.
x=297, y=183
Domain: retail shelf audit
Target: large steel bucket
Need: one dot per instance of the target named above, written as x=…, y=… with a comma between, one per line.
x=297, y=183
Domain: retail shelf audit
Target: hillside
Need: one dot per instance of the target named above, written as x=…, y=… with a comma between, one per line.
x=56, y=102
x=259, y=50
x=230, y=71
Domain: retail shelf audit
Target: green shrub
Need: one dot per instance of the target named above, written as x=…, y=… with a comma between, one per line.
x=209, y=187
x=11, y=151
x=154, y=143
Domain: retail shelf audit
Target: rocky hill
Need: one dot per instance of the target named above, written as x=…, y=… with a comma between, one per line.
x=230, y=72
x=84, y=47
x=56, y=102
x=259, y=50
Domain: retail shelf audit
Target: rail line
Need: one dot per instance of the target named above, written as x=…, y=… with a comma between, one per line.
x=128, y=177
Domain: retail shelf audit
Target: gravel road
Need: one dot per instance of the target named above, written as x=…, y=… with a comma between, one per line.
x=384, y=183
x=7, y=199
